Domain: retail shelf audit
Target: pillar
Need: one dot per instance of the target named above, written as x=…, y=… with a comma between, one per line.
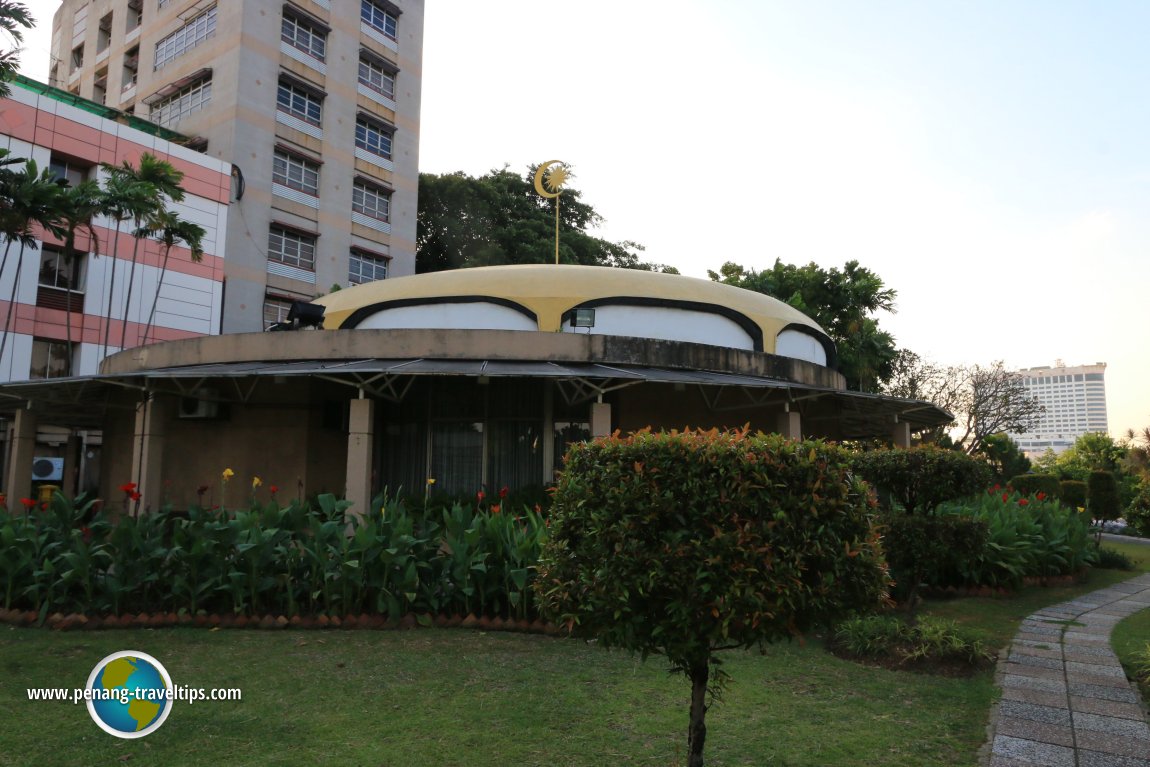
x=71, y=478
x=900, y=434
x=18, y=482
x=148, y=438
x=600, y=419
x=789, y=424
x=360, y=439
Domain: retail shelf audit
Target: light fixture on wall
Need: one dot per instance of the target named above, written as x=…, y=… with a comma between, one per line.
x=583, y=318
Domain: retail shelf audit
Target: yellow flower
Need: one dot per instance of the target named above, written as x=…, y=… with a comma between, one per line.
x=256, y=482
x=431, y=480
x=228, y=474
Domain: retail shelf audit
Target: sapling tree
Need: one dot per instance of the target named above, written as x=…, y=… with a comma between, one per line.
x=687, y=544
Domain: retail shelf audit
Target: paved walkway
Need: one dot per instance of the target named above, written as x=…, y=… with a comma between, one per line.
x=1065, y=699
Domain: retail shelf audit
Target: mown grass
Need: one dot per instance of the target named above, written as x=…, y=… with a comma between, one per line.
x=433, y=697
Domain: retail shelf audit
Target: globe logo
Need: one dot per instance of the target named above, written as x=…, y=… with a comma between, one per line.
x=129, y=694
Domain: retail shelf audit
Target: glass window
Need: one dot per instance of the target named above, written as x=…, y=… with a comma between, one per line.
x=69, y=170
x=457, y=456
x=49, y=359
x=365, y=267
x=77, y=57
x=60, y=271
x=275, y=310
x=300, y=103
x=373, y=76
x=304, y=36
x=179, y=105
x=295, y=173
x=373, y=137
x=104, y=33
x=194, y=32
x=371, y=201
x=379, y=18
x=291, y=248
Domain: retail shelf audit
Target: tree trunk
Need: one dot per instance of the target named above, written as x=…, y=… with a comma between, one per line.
x=697, y=730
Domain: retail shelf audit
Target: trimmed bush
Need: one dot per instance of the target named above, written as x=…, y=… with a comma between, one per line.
x=1113, y=559
x=1102, y=496
x=1072, y=493
x=921, y=478
x=930, y=550
x=1138, y=513
x=1032, y=484
x=682, y=544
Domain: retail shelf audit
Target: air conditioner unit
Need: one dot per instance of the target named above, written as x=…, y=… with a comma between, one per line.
x=46, y=469
x=194, y=407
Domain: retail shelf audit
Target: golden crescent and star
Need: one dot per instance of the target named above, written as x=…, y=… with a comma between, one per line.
x=549, y=179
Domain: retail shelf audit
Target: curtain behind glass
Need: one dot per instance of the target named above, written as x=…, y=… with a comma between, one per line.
x=457, y=456
x=515, y=455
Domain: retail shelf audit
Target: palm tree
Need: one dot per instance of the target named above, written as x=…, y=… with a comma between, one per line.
x=162, y=180
x=170, y=230
x=29, y=196
x=14, y=19
x=78, y=206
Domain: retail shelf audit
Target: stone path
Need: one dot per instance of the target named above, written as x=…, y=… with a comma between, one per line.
x=1065, y=699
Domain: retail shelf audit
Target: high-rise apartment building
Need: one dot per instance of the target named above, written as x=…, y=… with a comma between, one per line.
x=1075, y=401
x=315, y=106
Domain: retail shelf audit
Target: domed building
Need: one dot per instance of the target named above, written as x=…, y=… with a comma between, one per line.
x=476, y=379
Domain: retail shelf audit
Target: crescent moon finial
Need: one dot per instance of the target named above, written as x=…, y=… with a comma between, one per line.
x=548, y=183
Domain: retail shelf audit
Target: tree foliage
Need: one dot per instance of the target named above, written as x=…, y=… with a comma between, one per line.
x=1004, y=457
x=844, y=302
x=686, y=544
x=921, y=478
x=498, y=218
x=14, y=19
x=985, y=400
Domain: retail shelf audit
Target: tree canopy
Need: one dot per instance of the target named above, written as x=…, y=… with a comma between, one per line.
x=498, y=218
x=844, y=302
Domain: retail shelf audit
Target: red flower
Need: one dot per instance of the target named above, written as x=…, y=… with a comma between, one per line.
x=86, y=532
x=503, y=492
x=1006, y=496
x=1023, y=502
x=479, y=497
x=128, y=487
x=134, y=495
x=28, y=503
x=201, y=490
x=1041, y=496
x=997, y=487
x=274, y=489
x=495, y=509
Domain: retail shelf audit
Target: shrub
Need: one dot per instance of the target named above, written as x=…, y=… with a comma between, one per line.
x=1031, y=484
x=682, y=544
x=929, y=641
x=1102, y=496
x=930, y=550
x=1072, y=493
x=1113, y=559
x=923, y=477
x=1138, y=513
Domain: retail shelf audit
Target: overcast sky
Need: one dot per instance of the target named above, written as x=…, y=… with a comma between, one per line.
x=989, y=160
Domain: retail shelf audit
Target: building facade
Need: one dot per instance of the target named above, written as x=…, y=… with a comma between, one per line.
x=315, y=107
x=1075, y=402
x=64, y=311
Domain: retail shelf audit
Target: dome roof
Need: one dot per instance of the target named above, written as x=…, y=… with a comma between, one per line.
x=544, y=297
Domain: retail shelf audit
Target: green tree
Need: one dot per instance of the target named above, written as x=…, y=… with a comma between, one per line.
x=78, y=206
x=1004, y=457
x=498, y=218
x=684, y=545
x=844, y=302
x=14, y=19
x=170, y=230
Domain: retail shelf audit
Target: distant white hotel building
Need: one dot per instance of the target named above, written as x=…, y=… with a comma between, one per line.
x=1075, y=400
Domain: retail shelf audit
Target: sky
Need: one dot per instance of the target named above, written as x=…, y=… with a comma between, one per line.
x=989, y=161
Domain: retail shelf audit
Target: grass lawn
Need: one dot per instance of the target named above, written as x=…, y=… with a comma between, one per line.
x=434, y=697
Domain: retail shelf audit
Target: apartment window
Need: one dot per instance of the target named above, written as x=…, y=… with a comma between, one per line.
x=379, y=18
x=371, y=201
x=194, y=32
x=49, y=359
x=60, y=271
x=131, y=68
x=77, y=57
x=365, y=267
x=136, y=13
x=291, y=248
x=182, y=103
x=104, y=34
x=305, y=36
x=373, y=137
x=100, y=86
x=275, y=310
x=299, y=102
x=373, y=75
x=295, y=173
x=71, y=171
